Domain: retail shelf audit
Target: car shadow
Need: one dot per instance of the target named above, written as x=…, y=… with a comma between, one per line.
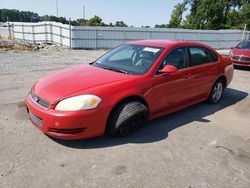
x=241, y=68
x=158, y=129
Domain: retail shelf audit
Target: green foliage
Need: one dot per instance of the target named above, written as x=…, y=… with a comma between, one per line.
x=211, y=14
x=111, y=24
x=120, y=24
x=82, y=22
x=245, y=14
x=54, y=19
x=95, y=21
x=161, y=26
x=176, y=17
x=27, y=16
x=17, y=16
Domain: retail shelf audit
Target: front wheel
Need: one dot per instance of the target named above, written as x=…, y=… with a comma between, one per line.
x=127, y=118
x=216, y=92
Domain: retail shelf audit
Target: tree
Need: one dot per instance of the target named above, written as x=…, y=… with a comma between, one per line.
x=120, y=24
x=17, y=16
x=176, y=17
x=27, y=16
x=245, y=14
x=111, y=24
x=95, y=21
x=211, y=14
x=161, y=26
x=55, y=19
x=82, y=22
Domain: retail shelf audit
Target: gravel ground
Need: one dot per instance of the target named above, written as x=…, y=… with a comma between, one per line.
x=201, y=146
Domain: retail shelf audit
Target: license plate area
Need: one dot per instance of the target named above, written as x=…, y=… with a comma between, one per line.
x=38, y=121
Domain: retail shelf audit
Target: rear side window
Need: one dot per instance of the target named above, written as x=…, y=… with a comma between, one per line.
x=198, y=56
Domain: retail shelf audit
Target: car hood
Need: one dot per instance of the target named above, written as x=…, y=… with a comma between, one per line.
x=67, y=82
x=241, y=52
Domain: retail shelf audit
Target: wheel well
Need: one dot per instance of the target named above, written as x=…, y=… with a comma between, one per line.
x=125, y=100
x=224, y=79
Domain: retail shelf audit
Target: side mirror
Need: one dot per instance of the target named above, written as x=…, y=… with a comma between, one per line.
x=169, y=69
x=232, y=47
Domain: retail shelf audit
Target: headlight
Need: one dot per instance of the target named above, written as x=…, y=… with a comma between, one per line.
x=230, y=54
x=82, y=102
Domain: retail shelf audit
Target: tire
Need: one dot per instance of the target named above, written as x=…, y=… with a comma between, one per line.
x=216, y=92
x=127, y=118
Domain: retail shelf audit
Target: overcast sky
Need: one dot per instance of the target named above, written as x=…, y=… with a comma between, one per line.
x=132, y=12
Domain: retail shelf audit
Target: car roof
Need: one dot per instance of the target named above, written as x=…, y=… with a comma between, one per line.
x=167, y=43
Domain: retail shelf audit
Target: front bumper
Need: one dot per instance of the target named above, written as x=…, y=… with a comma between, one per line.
x=68, y=125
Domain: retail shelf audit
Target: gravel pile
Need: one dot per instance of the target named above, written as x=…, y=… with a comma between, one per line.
x=6, y=45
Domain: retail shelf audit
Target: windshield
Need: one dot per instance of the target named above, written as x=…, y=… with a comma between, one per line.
x=130, y=59
x=244, y=45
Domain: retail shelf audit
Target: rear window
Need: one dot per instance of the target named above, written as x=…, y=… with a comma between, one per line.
x=213, y=56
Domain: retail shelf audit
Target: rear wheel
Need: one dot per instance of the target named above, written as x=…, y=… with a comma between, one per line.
x=127, y=118
x=216, y=92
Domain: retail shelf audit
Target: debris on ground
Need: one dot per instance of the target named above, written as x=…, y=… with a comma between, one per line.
x=6, y=45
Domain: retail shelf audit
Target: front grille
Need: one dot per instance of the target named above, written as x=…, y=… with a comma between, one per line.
x=241, y=58
x=41, y=102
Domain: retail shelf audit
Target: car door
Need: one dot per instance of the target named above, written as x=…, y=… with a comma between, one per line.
x=171, y=90
x=203, y=71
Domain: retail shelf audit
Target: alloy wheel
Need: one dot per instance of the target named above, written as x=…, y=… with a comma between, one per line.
x=217, y=92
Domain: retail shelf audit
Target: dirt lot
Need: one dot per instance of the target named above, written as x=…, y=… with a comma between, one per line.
x=201, y=146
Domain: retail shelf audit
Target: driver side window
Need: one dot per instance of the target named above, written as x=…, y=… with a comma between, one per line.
x=177, y=58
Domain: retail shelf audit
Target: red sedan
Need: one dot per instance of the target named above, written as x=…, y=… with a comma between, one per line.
x=130, y=84
x=240, y=54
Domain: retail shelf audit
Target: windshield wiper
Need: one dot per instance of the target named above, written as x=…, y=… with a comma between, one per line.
x=113, y=69
x=119, y=70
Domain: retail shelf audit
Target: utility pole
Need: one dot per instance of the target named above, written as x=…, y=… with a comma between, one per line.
x=9, y=37
x=56, y=8
x=244, y=31
x=83, y=12
x=70, y=36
